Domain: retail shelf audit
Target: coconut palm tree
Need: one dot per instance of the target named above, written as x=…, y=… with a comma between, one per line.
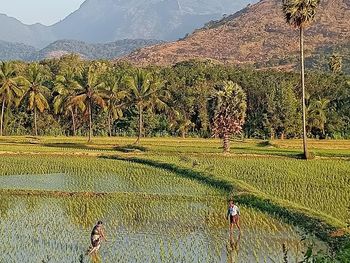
x=66, y=86
x=115, y=99
x=146, y=92
x=317, y=116
x=91, y=94
x=229, y=107
x=184, y=125
x=180, y=121
x=35, y=91
x=300, y=13
x=10, y=92
x=335, y=63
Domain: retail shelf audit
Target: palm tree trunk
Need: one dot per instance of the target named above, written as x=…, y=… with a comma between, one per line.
x=2, y=116
x=306, y=155
x=140, y=125
x=226, y=143
x=90, y=122
x=73, y=122
x=35, y=124
x=109, y=125
x=272, y=134
x=282, y=135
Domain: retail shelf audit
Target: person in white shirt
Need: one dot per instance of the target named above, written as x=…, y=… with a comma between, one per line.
x=233, y=214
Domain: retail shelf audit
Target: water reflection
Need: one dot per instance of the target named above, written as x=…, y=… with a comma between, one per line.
x=96, y=258
x=141, y=229
x=233, y=247
x=4, y=206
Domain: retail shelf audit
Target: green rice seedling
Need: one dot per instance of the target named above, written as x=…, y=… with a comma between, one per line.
x=166, y=204
x=63, y=231
x=320, y=185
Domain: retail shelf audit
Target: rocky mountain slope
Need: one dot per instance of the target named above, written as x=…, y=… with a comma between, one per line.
x=101, y=21
x=256, y=34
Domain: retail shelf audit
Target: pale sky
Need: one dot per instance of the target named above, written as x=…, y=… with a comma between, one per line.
x=46, y=12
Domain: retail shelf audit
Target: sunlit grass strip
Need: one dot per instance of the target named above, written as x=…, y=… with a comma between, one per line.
x=323, y=148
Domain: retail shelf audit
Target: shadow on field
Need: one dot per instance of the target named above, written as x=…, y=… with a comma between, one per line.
x=180, y=171
x=267, y=150
x=77, y=146
x=268, y=144
x=311, y=225
x=131, y=148
x=28, y=140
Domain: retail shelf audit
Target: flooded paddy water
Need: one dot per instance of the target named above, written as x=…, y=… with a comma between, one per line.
x=158, y=217
x=139, y=229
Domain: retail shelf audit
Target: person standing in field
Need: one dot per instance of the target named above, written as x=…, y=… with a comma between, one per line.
x=233, y=215
x=97, y=236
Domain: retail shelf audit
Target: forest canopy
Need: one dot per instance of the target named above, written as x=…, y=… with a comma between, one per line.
x=178, y=103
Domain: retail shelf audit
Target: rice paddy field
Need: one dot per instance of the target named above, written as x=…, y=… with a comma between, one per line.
x=165, y=200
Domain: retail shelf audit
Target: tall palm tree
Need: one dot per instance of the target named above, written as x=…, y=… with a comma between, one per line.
x=90, y=94
x=10, y=92
x=66, y=86
x=35, y=91
x=300, y=13
x=115, y=99
x=146, y=92
x=229, y=107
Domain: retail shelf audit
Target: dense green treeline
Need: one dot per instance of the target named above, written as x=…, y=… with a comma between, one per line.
x=54, y=97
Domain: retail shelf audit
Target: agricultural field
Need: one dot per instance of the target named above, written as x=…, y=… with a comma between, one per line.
x=140, y=229
x=165, y=199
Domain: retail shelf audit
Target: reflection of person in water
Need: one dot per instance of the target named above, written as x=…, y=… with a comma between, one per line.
x=233, y=214
x=96, y=258
x=97, y=236
x=232, y=249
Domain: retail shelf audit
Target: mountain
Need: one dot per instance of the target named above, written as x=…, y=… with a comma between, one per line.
x=12, y=30
x=319, y=59
x=101, y=21
x=16, y=51
x=255, y=35
x=109, y=20
x=93, y=51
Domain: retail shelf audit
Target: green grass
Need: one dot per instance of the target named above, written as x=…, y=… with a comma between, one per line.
x=318, y=189
x=89, y=174
x=321, y=185
x=284, y=148
x=140, y=228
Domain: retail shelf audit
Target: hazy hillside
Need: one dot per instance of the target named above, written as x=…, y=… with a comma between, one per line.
x=92, y=51
x=101, y=21
x=15, y=51
x=12, y=30
x=257, y=34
